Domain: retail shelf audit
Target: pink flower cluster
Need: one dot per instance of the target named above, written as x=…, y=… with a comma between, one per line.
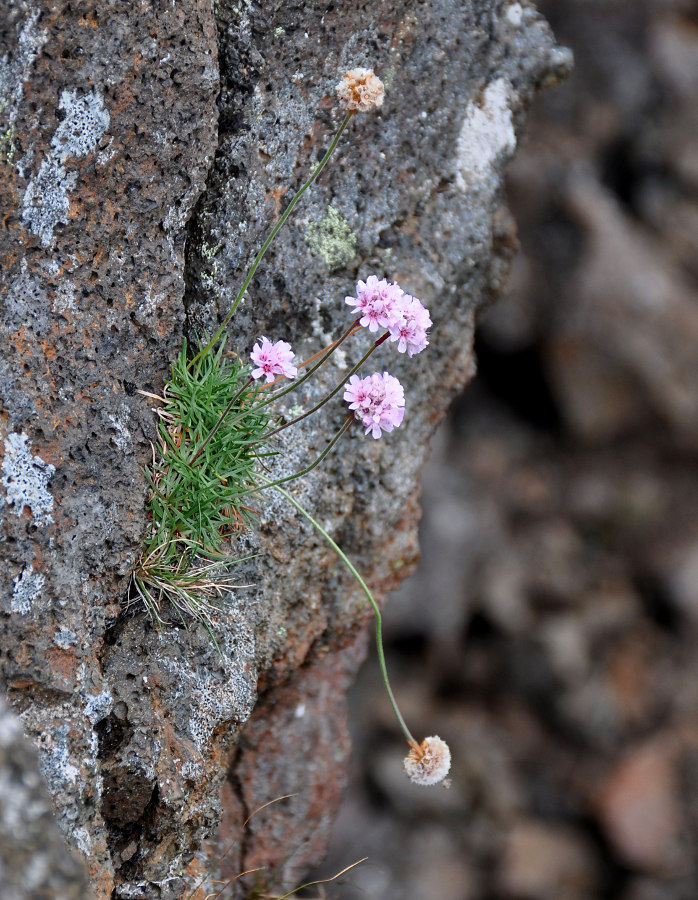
x=376, y=301
x=378, y=402
x=385, y=305
x=272, y=360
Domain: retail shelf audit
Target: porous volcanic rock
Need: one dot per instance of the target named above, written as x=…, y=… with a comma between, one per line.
x=34, y=864
x=145, y=151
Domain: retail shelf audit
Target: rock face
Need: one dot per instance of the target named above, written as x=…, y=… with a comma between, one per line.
x=145, y=152
x=34, y=864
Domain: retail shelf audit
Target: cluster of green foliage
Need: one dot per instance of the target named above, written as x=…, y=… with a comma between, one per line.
x=198, y=498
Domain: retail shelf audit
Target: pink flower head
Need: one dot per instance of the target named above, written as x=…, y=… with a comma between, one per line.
x=378, y=402
x=409, y=327
x=273, y=359
x=376, y=301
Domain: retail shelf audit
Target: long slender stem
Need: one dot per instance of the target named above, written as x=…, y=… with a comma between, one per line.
x=325, y=356
x=220, y=421
x=275, y=230
x=347, y=423
x=329, y=396
x=353, y=329
x=376, y=609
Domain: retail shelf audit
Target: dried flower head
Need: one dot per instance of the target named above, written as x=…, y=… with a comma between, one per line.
x=360, y=90
x=273, y=359
x=429, y=762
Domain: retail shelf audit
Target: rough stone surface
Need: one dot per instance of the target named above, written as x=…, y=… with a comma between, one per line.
x=132, y=204
x=34, y=864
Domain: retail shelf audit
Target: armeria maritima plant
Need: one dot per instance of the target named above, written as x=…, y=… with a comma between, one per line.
x=217, y=422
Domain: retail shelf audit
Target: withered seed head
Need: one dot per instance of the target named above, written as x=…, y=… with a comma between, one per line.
x=429, y=762
x=360, y=90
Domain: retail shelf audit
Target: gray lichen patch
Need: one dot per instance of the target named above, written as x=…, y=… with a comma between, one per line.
x=14, y=72
x=46, y=202
x=333, y=239
x=85, y=122
x=486, y=135
x=217, y=697
x=26, y=479
x=27, y=588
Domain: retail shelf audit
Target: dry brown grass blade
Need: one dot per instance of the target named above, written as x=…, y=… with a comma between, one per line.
x=240, y=830
x=302, y=887
x=230, y=881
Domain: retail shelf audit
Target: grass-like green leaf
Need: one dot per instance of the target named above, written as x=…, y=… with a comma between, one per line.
x=195, y=507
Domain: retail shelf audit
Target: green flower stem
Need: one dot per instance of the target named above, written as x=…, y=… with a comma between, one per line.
x=339, y=387
x=362, y=584
x=275, y=230
x=220, y=421
x=330, y=350
x=347, y=422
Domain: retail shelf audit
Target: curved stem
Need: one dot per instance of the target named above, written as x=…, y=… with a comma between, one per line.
x=329, y=396
x=326, y=355
x=275, y=230
x=379, y=619
x=347, y=423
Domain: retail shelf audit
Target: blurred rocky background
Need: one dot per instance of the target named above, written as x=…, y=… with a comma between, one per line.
x=550, y=634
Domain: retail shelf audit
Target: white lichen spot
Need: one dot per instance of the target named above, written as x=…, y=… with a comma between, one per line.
x=27, y=587
x=85, y=122
x=56, y=760
x=65, y=639
x=45, y=202
x=318, y=331
x=104, y=156
x=97, y=706
x=486, y=136
x=174, y=218
x=299, y=711
x=26, y=478
x=514, y=14
x=122, y=436
x=65, y=297
x=82, y=841
x=152, y=301
x=340, y=358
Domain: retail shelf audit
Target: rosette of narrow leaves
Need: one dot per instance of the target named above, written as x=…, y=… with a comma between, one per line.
x=197, y=501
